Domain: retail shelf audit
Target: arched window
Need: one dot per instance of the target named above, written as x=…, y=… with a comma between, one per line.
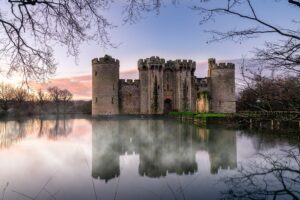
x=96, y=73
x=112, y=100
x=96, y=100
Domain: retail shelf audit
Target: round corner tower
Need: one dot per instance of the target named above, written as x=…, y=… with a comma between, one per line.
x=222, y=78
x=105, y=86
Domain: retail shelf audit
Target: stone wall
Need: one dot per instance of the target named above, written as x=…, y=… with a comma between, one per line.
x=129, y=96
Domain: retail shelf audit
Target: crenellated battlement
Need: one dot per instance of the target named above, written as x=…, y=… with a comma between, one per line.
x=105, y=60
x=159, y=63
x=185, y=64
x=226, y=66
x=152, y=60
x=213, y=64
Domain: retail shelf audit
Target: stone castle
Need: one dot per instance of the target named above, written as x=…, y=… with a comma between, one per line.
x=162, y=87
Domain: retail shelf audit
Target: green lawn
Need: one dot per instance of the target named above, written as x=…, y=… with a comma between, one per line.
x=198, y=115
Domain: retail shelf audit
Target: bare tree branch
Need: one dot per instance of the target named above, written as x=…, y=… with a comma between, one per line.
x=283, y=54
x=31, y=28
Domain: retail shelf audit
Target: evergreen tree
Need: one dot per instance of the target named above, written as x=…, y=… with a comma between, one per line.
x=155, y=95
x=184, y=98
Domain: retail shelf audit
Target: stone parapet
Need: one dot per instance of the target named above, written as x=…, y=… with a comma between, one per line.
x=156, y=62
x=105, y=60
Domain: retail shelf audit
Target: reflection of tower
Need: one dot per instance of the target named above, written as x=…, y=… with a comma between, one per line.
x=167, y=147
x=222, y=149
x=105, y=151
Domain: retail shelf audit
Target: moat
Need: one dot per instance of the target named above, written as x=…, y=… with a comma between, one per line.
x=83, y=158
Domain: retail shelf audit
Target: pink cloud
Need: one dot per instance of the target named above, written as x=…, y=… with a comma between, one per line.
x=79, y=86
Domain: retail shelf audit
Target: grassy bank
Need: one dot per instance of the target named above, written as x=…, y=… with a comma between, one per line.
x=199, y=115
x=262, y=120
x=203, y=119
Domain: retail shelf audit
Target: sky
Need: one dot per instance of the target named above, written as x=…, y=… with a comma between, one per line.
x=174, y=33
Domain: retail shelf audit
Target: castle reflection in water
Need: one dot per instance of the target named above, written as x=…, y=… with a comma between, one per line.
x=163, y=146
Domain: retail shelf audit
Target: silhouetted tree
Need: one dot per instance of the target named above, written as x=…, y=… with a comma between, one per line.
x=41, y=99
x=279, y=93
x=54, y=95
x=59, y=96
x=66, y=97
x=21, y=95
x=6, y=96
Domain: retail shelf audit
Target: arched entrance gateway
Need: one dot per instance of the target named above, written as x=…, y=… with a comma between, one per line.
x=167, y=105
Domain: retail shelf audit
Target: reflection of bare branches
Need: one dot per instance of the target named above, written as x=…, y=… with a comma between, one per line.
x=117, y=187
x=4, y=190
x=23, y=195
x=11, y=132
x=60, y=129
x=41, y=130
x=273, y=176
x=50, y=194
x=38, y=194
x=172, y=191
x=93, y=183
x=181, y=189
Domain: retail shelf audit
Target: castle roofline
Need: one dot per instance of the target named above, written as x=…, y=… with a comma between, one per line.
x=107, y=59
x=213, y=64
x=155, y=61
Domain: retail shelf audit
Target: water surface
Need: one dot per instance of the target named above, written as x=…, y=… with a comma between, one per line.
x=75, y=158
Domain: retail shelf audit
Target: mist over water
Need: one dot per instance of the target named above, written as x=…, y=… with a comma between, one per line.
x=79, y=158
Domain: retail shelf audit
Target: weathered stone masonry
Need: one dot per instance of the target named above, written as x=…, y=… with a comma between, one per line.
x=162, y=87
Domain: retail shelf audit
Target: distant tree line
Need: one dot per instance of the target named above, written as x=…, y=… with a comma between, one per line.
x=23, y=101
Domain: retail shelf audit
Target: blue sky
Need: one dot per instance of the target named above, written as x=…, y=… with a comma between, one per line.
x=174, y=33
